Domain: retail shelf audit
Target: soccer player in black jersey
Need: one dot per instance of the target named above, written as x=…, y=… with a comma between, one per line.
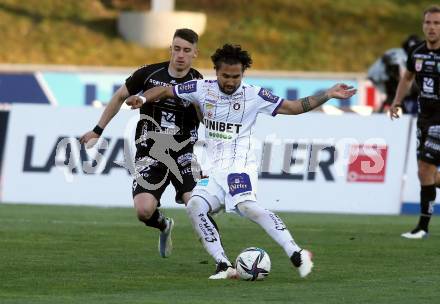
x=165, y=135
x=423, y=66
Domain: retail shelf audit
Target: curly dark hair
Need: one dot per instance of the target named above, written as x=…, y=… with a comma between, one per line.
x=231, y=54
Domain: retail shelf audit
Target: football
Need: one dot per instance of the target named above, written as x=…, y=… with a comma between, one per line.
x=253, y=264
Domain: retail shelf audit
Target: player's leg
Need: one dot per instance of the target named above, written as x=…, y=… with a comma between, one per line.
x=185, y=186
x=428, y=158
x=437, y=179
x=147, y=191
x=199, y=208
x=186, y=197
x=427, y=173
x=145, y=205
x=190, y=171
x=278, y=231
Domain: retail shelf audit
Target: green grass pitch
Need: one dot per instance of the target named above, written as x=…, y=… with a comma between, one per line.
x=58, y=254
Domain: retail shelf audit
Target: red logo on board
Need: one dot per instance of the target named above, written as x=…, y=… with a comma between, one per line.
x=367, y=163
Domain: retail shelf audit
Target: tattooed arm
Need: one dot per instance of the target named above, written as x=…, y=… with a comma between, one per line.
x=303, y=105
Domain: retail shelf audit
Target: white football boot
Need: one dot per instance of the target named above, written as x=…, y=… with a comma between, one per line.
x=224, y=271
x=302, y=260
x=416, y=234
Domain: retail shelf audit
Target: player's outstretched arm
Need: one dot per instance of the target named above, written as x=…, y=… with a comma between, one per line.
x=306, y=104
x=402, y=89
x=150, y=95
x=110, y=111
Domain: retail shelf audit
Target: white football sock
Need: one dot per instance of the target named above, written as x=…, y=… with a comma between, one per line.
x=271, y=223
x=197, y=210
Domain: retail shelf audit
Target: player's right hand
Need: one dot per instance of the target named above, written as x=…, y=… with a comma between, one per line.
x=89, y=139
x=395, y=111
x=134, y=101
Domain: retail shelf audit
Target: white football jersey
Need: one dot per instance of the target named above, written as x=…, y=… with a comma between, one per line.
x=229, y=119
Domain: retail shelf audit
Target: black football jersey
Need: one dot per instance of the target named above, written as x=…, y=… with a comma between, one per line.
x=425, y=64
x=166, y=115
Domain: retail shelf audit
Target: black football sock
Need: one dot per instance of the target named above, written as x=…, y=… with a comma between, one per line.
x=157, y=220
x=427, y=200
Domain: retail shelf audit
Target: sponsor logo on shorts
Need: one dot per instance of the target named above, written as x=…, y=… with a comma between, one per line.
x=184, y=159
x=203, y=182
x=186, y=171
x=239, y=183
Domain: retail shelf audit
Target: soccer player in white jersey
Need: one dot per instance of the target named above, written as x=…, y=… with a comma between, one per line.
x=229, y=108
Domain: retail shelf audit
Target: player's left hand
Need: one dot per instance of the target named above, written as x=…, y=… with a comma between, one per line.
x=341, y=91
x=89, y=139
x=134, y=101
x=395, y=110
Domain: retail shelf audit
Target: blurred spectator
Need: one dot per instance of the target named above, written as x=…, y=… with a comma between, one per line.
x=386, y=71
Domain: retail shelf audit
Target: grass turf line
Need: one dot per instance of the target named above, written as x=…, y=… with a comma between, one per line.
x=58, y=254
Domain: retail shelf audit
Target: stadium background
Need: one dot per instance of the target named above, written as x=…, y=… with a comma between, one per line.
x=68, y=58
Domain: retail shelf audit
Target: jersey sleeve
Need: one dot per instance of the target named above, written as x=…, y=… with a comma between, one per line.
x=198, y=75
x=190, y=91
x=267, y=102
x=135, y=82
x=410, y=63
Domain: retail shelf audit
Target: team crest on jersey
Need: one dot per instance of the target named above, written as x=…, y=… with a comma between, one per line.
x=236, y=106
x=187, y=87
x=419, y=65
x=268, y=96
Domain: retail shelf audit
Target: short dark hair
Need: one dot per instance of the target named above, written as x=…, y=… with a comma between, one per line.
x=432, y=9
x=231, y=54
x=187, y=34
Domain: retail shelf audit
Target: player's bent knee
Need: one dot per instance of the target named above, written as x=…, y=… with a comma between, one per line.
x=145, y=205
x=250, y=209
x=197, y=204
x=144, y=214
x=144, y=211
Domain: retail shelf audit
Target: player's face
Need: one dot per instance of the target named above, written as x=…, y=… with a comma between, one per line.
x=229, y=77
x=182, y=54
x=431, y=27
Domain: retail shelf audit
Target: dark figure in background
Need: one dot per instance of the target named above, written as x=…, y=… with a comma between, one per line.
x=386, y=72
x=423, y=66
